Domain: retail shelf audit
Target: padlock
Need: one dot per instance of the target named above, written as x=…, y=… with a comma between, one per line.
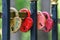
x=15, y=21
x=49, y=22
x=27, y=22
x=40, y=20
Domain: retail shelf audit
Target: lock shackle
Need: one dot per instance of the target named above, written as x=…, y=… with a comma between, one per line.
x=39, y=12
x=26, y=11
x=14, y=10
x=46, y=14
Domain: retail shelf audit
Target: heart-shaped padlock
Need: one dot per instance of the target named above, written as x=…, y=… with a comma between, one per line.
x=49, y=22
x=15, y=21
x=27, y=22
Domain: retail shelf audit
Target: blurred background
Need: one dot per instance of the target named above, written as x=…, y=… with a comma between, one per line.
x=19, y=4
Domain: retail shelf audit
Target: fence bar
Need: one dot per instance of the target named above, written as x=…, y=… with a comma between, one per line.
x=34, y=17
x=5, y=20
x=55, y=28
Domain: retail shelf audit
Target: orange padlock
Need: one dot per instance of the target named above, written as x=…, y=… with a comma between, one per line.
x=40, y=20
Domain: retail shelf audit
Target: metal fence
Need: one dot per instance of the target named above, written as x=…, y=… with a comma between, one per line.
x=33, y=7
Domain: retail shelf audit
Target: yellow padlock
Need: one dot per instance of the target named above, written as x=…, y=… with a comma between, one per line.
x=15, y=20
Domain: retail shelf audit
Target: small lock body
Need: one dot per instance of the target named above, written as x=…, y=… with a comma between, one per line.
x=15, y=21
x=40, y=20
x=27, y=22
x=49, y=22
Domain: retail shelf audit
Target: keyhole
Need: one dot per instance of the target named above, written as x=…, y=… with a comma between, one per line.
x=40, y=24
x=12, y=28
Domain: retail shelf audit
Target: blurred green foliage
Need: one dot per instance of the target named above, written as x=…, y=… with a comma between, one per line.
x=0, y=36
x=0, y=11
x=58, y=31
x=0, y=23
x=0, y=5
x=58, y=18
x=58, y=9
x=25, y=36
x=22, y=4
x=0, y=19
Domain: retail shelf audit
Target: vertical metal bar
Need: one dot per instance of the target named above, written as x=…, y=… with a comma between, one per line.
x=34, y=17
x=55, y=28
x=5, y=20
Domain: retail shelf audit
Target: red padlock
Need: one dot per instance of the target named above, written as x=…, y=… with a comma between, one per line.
x=27, y=22
x=40, y=20
x=49, y=22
